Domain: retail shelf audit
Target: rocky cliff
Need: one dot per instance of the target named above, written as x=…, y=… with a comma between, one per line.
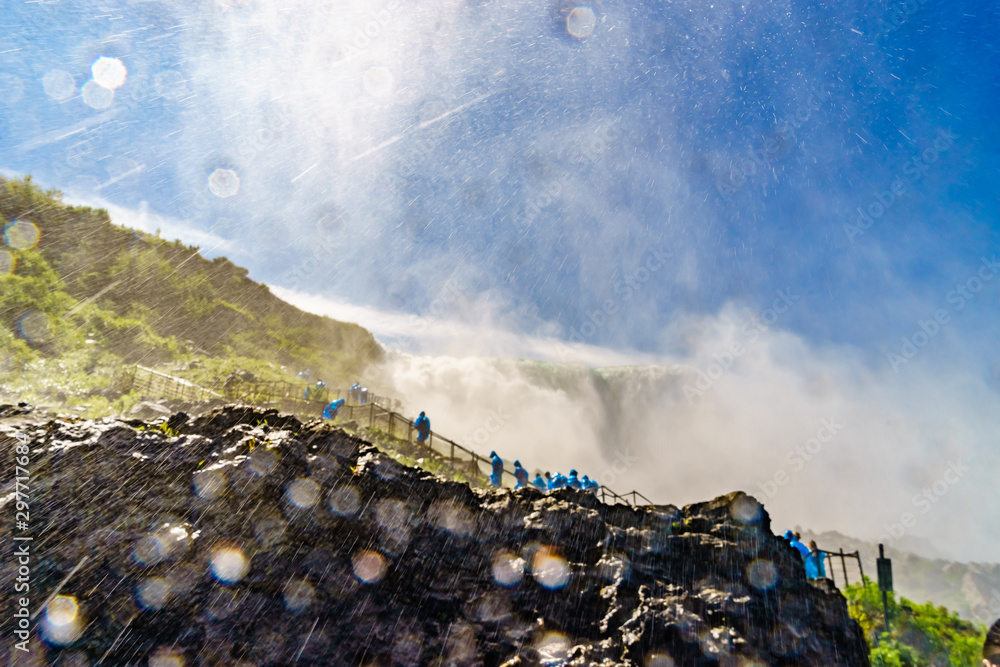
x=244, y=537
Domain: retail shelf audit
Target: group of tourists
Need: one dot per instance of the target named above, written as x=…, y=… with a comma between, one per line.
x=812, y=557
x=316, y=392
x=548, y=483
x=358, y=394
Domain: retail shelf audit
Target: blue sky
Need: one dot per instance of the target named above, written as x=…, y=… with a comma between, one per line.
x=654, y=129
x=472, y=163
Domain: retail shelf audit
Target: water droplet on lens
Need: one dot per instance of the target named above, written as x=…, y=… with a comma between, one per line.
x=762, y=574
x=224, y=183
x=228, y=564
x=59, y=85
x=369, y=567
x=581, y=22
x=96, y=96
x=109, y=73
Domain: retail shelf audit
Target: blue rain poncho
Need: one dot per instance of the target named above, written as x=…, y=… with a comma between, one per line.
x=815, y=567
x=540, y=483
x=496, y=477
x=521, y=475
x=331, y=410
x=423, y=426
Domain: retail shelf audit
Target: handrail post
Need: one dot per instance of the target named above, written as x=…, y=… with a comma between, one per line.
x=861, y=569
x=843, y=565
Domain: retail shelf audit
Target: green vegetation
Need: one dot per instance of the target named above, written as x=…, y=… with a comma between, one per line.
x=82, y=297
x=920, y=634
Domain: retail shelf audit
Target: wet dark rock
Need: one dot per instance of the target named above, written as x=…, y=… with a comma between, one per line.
x=21, y=408
x=246, y=537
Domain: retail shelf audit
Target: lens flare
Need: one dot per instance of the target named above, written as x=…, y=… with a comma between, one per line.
x=298, y=595
x=21, y=235
x=553, y=648
x=228, y=564
x=7, y=263
x=508, y=569
x=303, y=493
x=153, y=593
x=96, y=96
x=62, y=623
x=344, y=501
x=59, y=85
x=109, y=73
x=550, y=570
x=262, y=462
x=581, y=22
x=369, y=567
x=35, y=327
x=210, y=484
x=224, y=183
x=166, y=657
x=762, y=574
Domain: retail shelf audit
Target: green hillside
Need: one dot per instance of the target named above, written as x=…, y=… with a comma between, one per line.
x=920, y=635
x=81, y=296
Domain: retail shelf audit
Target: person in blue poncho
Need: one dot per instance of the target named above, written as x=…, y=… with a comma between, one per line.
x=363, y=395
x=496, y=477
x=588, y=484
x=330, y=412
x=540, y=483
x=316, y=392
x=794, y=541
x=573, y=481
x=355, y=392
x=521, y=475
x=815, y=567
x=423, y=426
x=557, y=481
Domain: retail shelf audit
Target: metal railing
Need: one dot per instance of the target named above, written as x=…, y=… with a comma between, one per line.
x=376, y=413
x=830, y=558
x=150, y=382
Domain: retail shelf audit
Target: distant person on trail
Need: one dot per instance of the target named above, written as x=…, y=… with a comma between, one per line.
x=991, y=649
x=423, y=426
x=548, y=481
x=521, y=475
x=355, y=392
x=573, y=481
x=496, y=477
x=540, y=483
x=363, y=395
x=331, y=410
x=815, y=567
x=557, y=481
x=589, y=485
